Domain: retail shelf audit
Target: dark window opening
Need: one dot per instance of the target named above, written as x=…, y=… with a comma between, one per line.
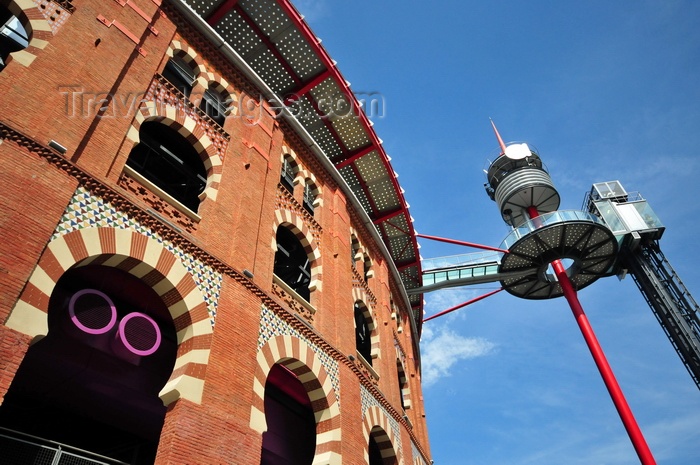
x=363, y=341
x=290, y=438
x=402, y=382
x=169, y=161
x=180, y=74
x=292, y=264
x=288, y=174
x=354, y=249
x=79, y=386
x=366, y=266
x=13, y=35
x=214, y=105
x=309, y=198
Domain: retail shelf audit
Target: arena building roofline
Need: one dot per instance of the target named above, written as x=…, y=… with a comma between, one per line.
x=277, y=50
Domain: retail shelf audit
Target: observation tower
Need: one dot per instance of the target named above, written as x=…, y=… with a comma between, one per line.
x=552, y=253
x=543, y=242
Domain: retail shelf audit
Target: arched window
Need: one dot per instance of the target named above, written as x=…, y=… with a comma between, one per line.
x=403, y=383
x=363, y=339
x=309, y=196
x=215, y=104
x=368, y=272
x=288, y=173
x=168, y=160
x=290, y=438
x=180, y=74
x=354, y=251
x=13, y=35
x=292, y=265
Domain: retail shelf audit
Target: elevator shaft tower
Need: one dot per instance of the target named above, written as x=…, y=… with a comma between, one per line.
x=638, y=231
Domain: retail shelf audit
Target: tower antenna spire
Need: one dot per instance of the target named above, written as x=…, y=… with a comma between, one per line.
x=498, y=136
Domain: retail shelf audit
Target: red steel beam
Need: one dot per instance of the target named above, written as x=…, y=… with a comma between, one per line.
x=220, y=11
x=304, y=89
x=468, y=244
x=357, y=154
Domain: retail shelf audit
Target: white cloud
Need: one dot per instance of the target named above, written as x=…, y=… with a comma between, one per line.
x=442, y=349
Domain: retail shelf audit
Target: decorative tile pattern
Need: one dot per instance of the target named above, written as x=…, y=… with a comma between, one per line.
x=417, y=457
x=368, y=400
x=86, y=210
x=271, y=325
x=55, y=13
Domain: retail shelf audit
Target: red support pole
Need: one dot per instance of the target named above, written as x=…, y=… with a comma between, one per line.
x=618, y=398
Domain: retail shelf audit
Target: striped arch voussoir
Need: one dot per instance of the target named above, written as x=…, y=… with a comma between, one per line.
x=298, y=357
x=376, y=422
x=182, y=50
x=38, y=29
x=148, y=260
x=403, y=380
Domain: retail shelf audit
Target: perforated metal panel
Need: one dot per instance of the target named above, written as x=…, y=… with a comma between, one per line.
x=233, y=29
x=271, y=70
x=266, y=14
x=205, y=7
x=297, y=52
x=330, y=99
x=351, y=131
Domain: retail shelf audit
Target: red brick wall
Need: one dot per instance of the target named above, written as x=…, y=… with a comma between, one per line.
x=33, y=196
x=236, y=228
x=13, y=347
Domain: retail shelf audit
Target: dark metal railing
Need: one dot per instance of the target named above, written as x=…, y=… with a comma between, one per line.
x=20, y=449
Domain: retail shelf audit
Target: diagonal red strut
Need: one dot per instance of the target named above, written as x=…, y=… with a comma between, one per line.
x=468, y=244
x=463, y=304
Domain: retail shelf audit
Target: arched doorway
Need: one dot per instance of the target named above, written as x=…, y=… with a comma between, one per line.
x=380, y=450
x=290, y=438
x=93, y=381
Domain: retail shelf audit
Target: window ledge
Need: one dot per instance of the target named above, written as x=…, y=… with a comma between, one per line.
x=367, y=366
x=161, y=194
x=299, y=299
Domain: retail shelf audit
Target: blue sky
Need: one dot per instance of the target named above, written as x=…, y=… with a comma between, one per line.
x=605, y=91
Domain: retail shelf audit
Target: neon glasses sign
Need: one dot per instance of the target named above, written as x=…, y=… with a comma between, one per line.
x=136, y=331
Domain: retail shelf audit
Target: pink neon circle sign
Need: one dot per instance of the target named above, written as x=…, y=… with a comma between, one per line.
x=96, y=315
x=139, y=333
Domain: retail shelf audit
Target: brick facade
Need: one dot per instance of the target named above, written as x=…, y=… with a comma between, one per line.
x=88, y=82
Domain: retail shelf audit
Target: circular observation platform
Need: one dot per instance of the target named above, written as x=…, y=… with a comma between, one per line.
x=580, y=239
